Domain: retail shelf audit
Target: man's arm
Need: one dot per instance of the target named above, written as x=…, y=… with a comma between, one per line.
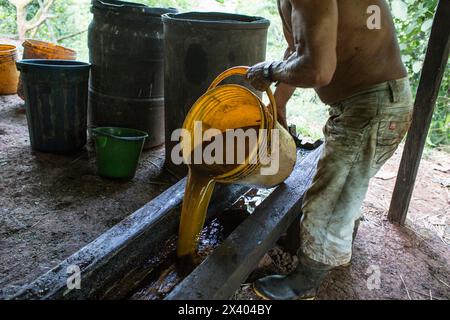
x=313, y=63
x=314, y=27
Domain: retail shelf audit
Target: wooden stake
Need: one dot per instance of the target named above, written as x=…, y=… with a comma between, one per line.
x=427, y=92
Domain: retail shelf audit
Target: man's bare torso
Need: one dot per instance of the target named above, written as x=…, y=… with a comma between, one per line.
x=364, y=57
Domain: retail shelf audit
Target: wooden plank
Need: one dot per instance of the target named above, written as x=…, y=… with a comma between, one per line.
x=113, y=264
x=293, y=236
x=427, y=92
x=229, y=265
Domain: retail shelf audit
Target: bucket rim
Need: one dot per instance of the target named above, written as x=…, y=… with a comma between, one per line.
x=58, y=63
x=47, y=46
x=235, y=21
x=8, y=52
x=142, y=135
x=131, y=7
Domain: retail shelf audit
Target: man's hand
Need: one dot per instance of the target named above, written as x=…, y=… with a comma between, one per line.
x=255, y=75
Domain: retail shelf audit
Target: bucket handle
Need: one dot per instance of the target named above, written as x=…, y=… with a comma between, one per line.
x=106, y=4
x=242, y=70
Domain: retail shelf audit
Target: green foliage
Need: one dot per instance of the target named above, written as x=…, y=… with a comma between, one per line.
x=69, y=17
x=7, y=18
x=413, y=19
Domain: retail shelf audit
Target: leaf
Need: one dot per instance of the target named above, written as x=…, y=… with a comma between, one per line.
x=417, y=66
x=406, y=58
x=410, y=28
x=426, y=26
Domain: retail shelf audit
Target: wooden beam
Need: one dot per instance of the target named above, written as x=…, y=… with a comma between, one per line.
x=229, y=265
x=427, y=92
x=115, y=263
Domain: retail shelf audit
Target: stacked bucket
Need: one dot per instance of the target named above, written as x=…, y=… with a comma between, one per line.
x=9, y=76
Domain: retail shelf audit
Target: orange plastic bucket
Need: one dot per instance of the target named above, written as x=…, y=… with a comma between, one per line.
x=231, y=106
x=9, y=76
x=36, y=49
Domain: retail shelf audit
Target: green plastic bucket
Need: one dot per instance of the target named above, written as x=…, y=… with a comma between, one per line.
x=118, y=151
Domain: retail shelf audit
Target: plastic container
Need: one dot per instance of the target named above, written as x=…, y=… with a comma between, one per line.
x=118, y=151
x=36, y=49
x=232, y=106
x=56, y=103
x=9, y=76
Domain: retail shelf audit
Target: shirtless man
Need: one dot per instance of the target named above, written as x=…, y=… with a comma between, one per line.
x=358, y=71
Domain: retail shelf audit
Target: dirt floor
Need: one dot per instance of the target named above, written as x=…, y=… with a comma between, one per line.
x=389, y=261
x=52, y=205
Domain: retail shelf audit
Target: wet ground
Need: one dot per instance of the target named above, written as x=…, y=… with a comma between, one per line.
x=53, y=205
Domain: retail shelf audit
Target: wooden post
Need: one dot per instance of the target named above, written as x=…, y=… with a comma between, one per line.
x=430, y=81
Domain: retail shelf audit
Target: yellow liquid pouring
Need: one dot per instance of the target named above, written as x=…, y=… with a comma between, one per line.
x=199, y=188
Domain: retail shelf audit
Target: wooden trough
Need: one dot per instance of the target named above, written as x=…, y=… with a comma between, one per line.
x=115, y=264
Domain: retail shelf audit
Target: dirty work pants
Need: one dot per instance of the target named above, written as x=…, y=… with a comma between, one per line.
x=361, y=134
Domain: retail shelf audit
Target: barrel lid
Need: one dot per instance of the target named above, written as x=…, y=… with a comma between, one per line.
x=52, y=65
x=130, y=7
x=8, y=52
x=217, y=20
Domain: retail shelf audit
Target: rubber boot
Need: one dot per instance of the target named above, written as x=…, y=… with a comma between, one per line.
x=301, y=284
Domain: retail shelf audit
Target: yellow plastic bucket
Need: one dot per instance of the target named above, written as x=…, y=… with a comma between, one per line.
x=9, y=76
x=222, y=108
x=231, y=106
x=36, y=49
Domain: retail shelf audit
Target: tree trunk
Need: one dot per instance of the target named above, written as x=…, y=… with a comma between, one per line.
x=24, y=25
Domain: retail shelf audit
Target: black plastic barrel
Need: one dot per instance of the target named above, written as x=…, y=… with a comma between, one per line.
x=127, y=79
x=198, y=47
x=56, y=93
